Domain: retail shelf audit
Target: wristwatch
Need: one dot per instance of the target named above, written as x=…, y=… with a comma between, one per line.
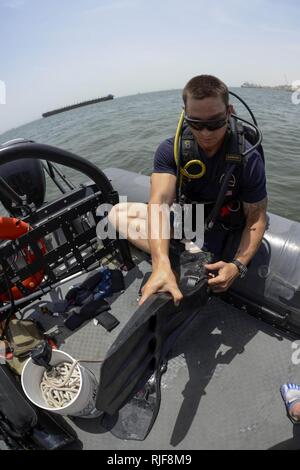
x=241, y=267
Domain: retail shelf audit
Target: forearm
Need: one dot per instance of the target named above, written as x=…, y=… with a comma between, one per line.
x=251, y=240
x=159, y=233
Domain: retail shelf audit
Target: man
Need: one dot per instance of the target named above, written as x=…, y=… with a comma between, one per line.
x=207, y=112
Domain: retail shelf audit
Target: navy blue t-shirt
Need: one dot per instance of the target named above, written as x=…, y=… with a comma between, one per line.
x=252, y=186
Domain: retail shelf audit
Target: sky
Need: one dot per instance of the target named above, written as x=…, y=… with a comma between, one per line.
x=58, y=52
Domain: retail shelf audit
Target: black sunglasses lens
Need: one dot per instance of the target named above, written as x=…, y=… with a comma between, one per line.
x=196, y=125
x=216, y=125
x=210, y=126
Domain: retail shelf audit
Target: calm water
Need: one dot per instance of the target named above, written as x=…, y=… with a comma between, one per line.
x=125, y=132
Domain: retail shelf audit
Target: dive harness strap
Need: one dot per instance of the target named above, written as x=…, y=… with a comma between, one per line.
x=187, y=148
x=233, y=158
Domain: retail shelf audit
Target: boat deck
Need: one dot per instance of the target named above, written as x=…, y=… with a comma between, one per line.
x=221, y=389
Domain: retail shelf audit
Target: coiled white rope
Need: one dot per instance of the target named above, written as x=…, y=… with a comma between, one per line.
x=61, y=384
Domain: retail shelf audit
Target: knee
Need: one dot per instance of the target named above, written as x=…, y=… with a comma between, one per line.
x=117, y=211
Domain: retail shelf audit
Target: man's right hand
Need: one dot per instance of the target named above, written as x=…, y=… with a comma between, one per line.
x=161, y=280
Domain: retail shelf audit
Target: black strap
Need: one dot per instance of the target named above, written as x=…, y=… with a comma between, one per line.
x=108, y=321
x=212, y=217
x=233, y=158
x=220, y=167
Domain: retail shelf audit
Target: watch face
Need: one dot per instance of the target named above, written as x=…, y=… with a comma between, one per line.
x=243, y=271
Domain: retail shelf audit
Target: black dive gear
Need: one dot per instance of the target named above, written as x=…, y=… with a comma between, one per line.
x=41, y=355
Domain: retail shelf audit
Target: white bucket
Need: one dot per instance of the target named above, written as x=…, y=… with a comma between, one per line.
x=82, y=405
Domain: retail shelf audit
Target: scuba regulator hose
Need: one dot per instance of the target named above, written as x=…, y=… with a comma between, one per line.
x=177, y=139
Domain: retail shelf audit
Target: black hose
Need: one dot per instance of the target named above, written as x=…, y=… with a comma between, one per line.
x=258, y=133
x=246, y=106
x=7, y=192
x=221, y=196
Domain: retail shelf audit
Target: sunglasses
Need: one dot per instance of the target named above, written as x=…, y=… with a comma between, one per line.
x=211, y=125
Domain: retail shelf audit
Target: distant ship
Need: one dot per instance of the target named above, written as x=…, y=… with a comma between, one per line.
x=277, y=87
x=251, y=85
x=78, y=105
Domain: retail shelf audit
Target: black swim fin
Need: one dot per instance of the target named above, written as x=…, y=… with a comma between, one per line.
x=143, y=345
x=135, y=420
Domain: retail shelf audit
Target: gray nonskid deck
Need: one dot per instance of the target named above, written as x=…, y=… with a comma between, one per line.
x=221, y=389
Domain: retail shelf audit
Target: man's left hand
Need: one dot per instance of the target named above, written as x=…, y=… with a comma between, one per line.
x=225, y=274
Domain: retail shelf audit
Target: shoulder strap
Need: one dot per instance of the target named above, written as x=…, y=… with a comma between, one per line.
x=188, y=147
x=186, y=152
x=236, y=143
x=233, y=158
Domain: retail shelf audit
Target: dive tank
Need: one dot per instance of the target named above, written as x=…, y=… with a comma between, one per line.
x=25, y=177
